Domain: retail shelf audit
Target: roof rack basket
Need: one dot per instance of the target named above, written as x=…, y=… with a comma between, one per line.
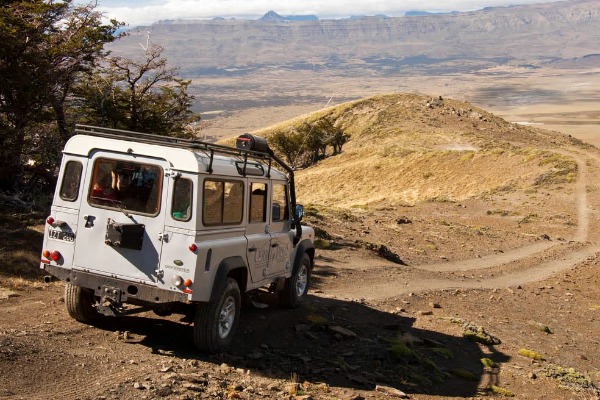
x=266, y=155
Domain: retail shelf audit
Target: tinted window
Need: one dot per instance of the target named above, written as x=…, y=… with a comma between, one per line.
x=130, y=186
x=222, y=202
x=258, y=202
x=69, y=189
x=181, y=207
x=280, y=203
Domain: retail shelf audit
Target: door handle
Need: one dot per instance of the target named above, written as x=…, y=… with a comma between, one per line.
x=89, y=220
x=251, y=249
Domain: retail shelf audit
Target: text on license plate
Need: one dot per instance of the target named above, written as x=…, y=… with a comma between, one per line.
x=60, y=235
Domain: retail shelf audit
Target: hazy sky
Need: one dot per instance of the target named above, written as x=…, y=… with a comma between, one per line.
x=145, y=12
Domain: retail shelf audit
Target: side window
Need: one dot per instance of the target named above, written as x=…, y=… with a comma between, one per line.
x=69, y=189
x=233, y=202
x=222, y=202
x=258, y=202
x=124, y=185
x=181, y=206
x=280, y=203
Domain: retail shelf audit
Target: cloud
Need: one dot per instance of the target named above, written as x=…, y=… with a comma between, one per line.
x=145, y=12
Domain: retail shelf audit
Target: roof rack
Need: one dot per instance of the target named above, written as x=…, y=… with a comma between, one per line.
x=267, y=155
x=193, y=144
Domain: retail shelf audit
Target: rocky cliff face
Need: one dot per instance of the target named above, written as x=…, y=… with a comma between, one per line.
x=533, y=35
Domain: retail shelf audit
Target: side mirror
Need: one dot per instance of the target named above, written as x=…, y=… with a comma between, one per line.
x=299, y=212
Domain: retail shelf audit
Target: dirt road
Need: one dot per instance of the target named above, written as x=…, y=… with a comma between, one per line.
x=371, y=329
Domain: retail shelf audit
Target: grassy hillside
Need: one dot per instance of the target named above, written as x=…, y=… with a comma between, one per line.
x=407, y=148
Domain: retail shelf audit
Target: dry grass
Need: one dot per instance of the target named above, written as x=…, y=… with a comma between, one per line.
x=21, y=245
x=407, y=149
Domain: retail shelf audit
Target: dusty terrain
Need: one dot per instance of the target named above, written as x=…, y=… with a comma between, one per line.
x=487, y=296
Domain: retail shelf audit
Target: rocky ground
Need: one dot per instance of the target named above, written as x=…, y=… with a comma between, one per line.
x=496, y=296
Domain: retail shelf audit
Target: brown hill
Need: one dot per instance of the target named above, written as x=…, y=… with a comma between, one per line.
x=405, y=149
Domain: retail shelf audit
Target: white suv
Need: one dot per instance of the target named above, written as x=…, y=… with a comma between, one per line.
x=163, y=222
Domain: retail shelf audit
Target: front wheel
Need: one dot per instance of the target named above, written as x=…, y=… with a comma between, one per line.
x=216, y=321
x=80, y=304
x=296, y=286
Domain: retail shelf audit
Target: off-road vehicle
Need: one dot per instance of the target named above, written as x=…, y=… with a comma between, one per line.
x=168, y=224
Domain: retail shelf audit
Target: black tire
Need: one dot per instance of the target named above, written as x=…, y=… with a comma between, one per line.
x=216, y=321
x=296, y=286
x=80, y=304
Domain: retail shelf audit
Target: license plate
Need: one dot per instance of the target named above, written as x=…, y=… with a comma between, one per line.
x=61, y=235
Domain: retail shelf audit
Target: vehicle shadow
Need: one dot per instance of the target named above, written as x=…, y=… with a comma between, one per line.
x=341, y=343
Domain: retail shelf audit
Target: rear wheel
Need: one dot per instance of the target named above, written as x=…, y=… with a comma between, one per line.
x=216, y=321
x=296, y=286
x=80, y=304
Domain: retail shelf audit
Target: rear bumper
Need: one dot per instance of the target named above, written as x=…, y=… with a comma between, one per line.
x=132, y=292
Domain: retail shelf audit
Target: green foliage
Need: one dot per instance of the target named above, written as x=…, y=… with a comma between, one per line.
x=307, y=143
x=137, y=95
x=45, y=46
x=51, y=78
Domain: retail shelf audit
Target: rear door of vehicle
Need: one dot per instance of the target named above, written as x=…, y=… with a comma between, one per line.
x=61, y=233
x=121, y=221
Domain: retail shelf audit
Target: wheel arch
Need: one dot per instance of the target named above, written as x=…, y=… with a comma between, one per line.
x=305, y=246
x=231, y=267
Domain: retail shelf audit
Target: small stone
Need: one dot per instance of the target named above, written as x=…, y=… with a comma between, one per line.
x=390, y=391
x=138, y=385
x=435, y=305
x=166, y=369
x=164, y=391
x=347, y=333
x=224, y=368
x=532, y=375
x=273, y=387
x=424, y=312
x=193, y=387
x=311, y=335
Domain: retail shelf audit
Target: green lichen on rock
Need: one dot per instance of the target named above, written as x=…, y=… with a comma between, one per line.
x=530, y=354
x=464, y=374
x=569, y=378
x=501, y=391
x=488, y=363
x=478, y=334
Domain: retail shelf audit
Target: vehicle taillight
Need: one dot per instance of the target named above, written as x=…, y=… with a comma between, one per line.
x=187, y=283
x=55, y=256
x=193, y=247
x=46, y=253
x=49, y=220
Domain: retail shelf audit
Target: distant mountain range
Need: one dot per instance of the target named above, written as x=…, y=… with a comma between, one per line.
x=531, y=35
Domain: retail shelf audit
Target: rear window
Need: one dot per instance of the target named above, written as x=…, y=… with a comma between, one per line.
x=69, y=188
x=124, y=185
